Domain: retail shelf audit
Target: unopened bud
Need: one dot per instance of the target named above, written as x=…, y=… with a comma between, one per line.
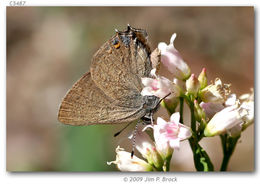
x=193, y=85
x=203, y=79
x=155, y=158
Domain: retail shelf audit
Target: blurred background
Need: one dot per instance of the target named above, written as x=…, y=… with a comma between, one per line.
x=49, y=48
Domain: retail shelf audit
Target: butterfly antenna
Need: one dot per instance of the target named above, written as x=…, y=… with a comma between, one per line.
x=164, y=98
x=116, y=134
x=133, y=141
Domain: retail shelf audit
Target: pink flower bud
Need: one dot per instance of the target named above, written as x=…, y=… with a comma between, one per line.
x=203, y=78
x=193, y=85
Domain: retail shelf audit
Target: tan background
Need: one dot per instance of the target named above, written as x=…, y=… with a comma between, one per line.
x=49, y=48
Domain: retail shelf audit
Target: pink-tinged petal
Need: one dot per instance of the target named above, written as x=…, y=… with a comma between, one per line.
x=147, y=91
x=184, y=132
x=160, y=87
x=175, y=144
x=175, y=117
x=147, y=81
x=160, y=122
x=211, y=109
x=155, y=85
x=168, y=135
x=172, y=59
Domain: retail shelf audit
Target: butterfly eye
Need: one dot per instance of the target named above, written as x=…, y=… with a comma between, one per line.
x=116, y=43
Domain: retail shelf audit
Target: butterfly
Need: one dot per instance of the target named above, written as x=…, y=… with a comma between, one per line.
x=111, y=92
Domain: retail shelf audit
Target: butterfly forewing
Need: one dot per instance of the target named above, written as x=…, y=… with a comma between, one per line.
x=117, y=69
x=140, y=60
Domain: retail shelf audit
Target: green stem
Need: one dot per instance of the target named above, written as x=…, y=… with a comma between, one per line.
x=181, y=109
x=201, y=159
x=159, y=169
x=193, y=119
x=225, y=162
x=167, y=163
x=228, y=146
x=169, y=109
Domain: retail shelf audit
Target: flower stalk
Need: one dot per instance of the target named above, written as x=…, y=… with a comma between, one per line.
x=228, y=147
x=181, y=109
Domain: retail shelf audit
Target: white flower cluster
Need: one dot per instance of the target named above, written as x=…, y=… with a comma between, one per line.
x=216, y=110
x=167, y=136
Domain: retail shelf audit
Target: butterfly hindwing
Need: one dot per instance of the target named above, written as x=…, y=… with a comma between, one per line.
x=86, y=104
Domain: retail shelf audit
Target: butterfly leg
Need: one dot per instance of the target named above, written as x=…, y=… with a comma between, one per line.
x=148, y=119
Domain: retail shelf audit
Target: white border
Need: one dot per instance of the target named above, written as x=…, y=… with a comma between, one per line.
x=115, y=178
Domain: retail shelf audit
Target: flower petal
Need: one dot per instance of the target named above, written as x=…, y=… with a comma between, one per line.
x=124, y=162
x=160, y=122
x=173, y=38
x=162, y=46
x=147, y=91
x=175, y=117
x=147, y=81
x=175, y=144
x=184, y=132
x=172, y=59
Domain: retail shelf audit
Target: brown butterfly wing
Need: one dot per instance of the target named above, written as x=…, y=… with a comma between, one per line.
x=86, y=104
x=119, y=65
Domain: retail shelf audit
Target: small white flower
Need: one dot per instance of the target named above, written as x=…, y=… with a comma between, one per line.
x=233, y=118
x=215, y=92
x=248, y=105
x=146, y=147
x=124, y=162
x=211, y=108
x=172, y=59
x=225, y=120
x=168, y=135
x=160, y=87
